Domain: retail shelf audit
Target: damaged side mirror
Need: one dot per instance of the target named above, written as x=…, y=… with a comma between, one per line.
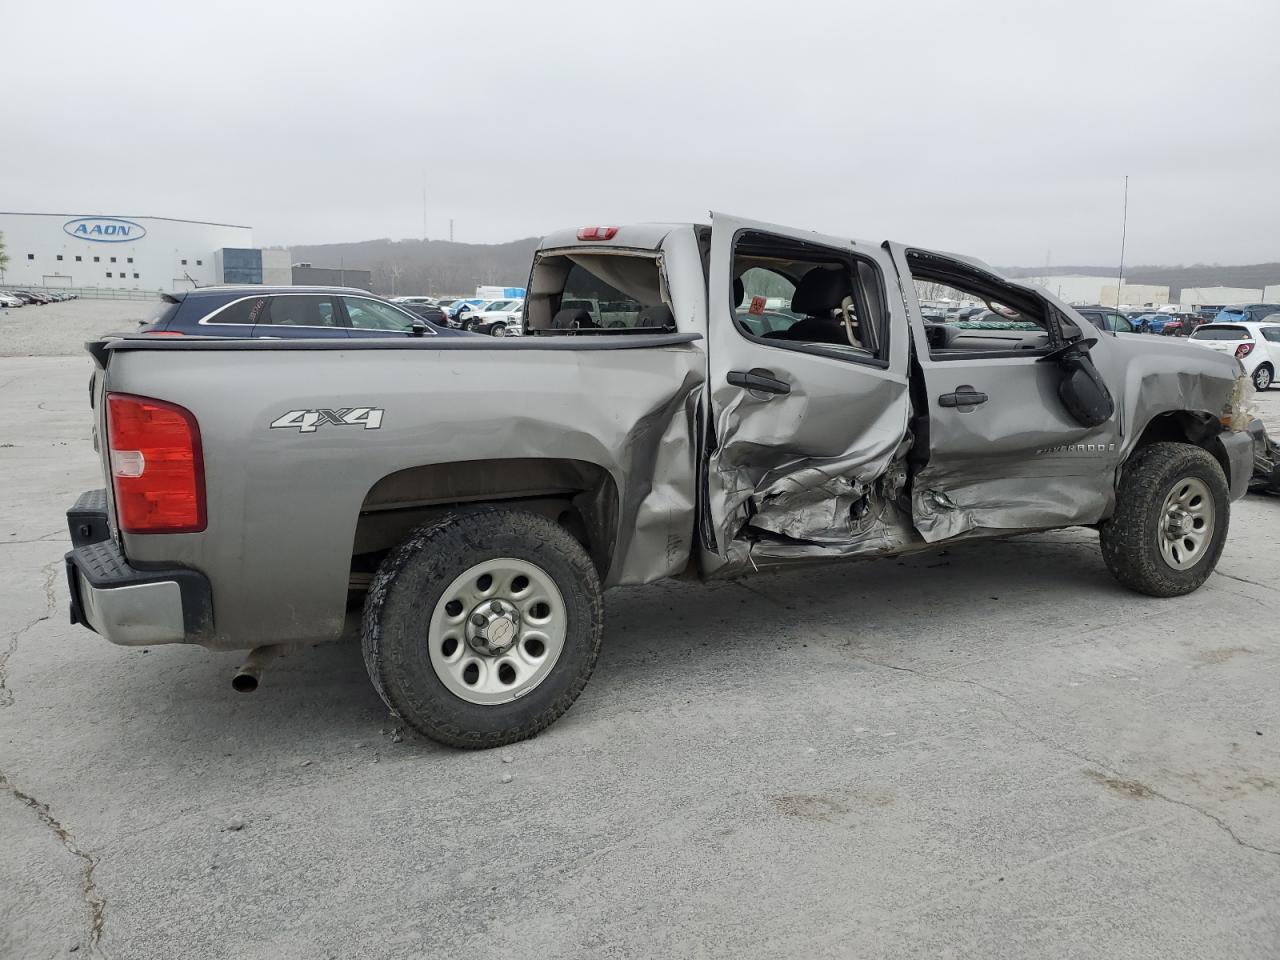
x=1082, y=389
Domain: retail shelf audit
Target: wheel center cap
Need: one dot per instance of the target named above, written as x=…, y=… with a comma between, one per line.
x=493, y=627
x=1179, y=524
x=501, y=632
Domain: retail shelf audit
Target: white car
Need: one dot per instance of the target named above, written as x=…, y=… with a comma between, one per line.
x=415, y=301
x=9, y=300
x=500, y=319
x=1256, y=345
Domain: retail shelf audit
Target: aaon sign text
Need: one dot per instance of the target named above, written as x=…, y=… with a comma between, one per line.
x=104, y=229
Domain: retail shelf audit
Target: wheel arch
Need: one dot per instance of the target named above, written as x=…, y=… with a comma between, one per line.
x=1198, y=428
x=579, y=495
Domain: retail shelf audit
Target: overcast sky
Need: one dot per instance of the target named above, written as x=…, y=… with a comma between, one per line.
x=1002, y=130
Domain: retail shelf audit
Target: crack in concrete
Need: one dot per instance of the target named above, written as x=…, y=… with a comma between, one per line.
x=46, y=538
x=1254, y=583
x=88, y=863
x=1050, y=741
x=6, y=693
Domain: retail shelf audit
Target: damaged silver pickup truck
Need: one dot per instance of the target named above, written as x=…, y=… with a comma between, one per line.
x=687, y=401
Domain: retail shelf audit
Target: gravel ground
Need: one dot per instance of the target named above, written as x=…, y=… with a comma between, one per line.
x=61, y=329
x=992, y=752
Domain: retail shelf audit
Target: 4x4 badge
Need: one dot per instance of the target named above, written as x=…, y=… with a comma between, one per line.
x=306, y=421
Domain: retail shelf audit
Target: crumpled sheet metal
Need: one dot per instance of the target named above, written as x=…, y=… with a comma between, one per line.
x=778, y=504
x=1042, y=501
x=655, y=530
x=1070, y=483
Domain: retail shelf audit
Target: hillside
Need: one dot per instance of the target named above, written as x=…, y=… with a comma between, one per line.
x=1256, y=275
x=426, y=266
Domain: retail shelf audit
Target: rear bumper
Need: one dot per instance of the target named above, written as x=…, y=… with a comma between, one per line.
x=132, y=605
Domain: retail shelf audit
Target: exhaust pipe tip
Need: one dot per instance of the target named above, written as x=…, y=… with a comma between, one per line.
x=249, y=675
x=245, y=681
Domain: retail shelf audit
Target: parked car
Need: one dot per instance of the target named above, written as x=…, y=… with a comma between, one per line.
x=498, y=486
x=1255, y=345
x=499, y=320
x=459, y=310
x=1181, y=324
x=1247, y=313
x=414, y=301
x=429, y=312
x=1106, y=318
x=251, y=311
x=9, y=300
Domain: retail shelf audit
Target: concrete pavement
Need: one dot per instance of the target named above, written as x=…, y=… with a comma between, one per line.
x=995, y=751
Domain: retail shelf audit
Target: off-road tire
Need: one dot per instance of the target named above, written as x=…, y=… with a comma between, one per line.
x=406, y=589
x=1263, y=373
x=1130, y=544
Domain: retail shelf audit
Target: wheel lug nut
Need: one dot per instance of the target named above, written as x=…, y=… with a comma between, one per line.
x=479, y=619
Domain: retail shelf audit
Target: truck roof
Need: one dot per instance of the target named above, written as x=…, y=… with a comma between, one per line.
x=636, y=236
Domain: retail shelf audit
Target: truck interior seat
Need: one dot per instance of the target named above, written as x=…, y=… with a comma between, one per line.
x=820, y=292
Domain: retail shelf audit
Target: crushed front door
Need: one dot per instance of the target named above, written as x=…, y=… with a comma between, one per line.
x=806, y=457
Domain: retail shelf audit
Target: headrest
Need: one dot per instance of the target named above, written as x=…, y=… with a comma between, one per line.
x=572, y=319
x=739, y=291
x=659, y=315
x=820, y=290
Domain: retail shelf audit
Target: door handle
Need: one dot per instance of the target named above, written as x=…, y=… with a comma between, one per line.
x=758, y=381
x=965, y=398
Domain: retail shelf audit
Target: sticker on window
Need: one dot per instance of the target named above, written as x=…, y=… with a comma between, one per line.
x=757, y=306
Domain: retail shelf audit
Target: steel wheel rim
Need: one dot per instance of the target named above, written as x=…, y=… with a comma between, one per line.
x=1186, y=523
x=468, y=656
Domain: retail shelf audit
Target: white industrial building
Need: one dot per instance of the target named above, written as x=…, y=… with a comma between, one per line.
x=1218, y=296
x=133, y=253
x=1081, y=289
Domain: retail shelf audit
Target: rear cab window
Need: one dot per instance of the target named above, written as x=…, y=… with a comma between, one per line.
x=583, y=291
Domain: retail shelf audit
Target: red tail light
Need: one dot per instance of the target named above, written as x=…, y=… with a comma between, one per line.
x=597, y=233
x=157, y=467
x=164, y=333
x=1244, y=350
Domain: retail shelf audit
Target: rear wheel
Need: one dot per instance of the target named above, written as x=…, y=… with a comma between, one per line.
x=1172, y=511
x=482, y=628
x=1263, y=377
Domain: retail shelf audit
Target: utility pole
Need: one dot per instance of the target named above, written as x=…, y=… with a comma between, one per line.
x=451, y=229
x=1124, y=229
x=424, y=206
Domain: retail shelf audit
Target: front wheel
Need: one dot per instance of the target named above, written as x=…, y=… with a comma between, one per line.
x=1263, y=377
x=498, y=330
x=482, y=628
x=1173, y=507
